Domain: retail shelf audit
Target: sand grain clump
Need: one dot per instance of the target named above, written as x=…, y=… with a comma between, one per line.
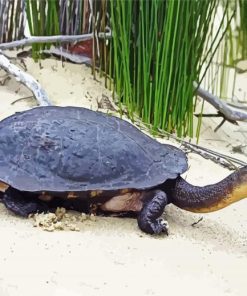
x=60, y=220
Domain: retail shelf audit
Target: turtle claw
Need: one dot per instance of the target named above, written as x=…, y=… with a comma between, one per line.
x=149, y=219
x=163, y=225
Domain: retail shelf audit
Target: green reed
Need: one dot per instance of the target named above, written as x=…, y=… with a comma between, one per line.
x=54, y=17
x=158, y=50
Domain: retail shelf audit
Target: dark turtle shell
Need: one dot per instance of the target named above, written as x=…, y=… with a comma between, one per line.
x=75, y=149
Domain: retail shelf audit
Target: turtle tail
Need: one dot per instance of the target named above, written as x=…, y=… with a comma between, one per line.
x=211, y=197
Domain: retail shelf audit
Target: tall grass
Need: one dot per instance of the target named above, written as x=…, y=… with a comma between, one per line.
x=12, y=20
x=158, y=50
x=242, y=28
x=43, y=20
x=101, y=12
x=233, y=48
x=54, y=17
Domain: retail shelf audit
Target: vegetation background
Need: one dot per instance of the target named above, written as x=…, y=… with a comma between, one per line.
x=157, y=50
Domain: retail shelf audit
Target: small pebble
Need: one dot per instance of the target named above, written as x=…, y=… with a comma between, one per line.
x=92, y=217
x=83, y=217
x=60, y=213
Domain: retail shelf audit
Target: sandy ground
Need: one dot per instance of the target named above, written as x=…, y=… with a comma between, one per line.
x=111, y=255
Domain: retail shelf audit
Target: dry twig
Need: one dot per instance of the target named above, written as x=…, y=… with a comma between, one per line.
x=226, y=161
x=195, y=223
x=52, y=39
x=25, y=79
x=227, y=112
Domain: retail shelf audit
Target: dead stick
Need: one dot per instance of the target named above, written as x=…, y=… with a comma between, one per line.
x=228, y=112
x=219, y=158
x=25, y=79
x=52, y=39
x=195, y=223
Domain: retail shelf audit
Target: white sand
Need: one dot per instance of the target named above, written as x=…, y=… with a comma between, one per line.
x=112, y=256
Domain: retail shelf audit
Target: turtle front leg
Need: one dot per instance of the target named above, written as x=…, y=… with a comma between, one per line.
x=149, y=219
x=21, y=205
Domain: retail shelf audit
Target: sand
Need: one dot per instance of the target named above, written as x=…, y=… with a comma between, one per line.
x=111, y=256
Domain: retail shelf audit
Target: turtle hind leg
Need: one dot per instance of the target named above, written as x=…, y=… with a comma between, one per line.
x=149, y=219
x=21, y=205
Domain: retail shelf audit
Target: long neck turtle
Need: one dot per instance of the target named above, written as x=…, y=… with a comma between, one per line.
x=72, y=154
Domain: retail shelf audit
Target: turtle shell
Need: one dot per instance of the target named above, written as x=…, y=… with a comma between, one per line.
x=76, y=149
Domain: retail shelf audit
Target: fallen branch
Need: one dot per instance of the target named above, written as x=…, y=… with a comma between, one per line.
x=72, y=57
x=227, y=112
x=52, y=39
x=25, y=79
x=219, y=114
x=238, y=105
x=224, y=160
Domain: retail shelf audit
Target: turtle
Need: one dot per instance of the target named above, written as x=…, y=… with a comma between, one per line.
x=95, y=162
